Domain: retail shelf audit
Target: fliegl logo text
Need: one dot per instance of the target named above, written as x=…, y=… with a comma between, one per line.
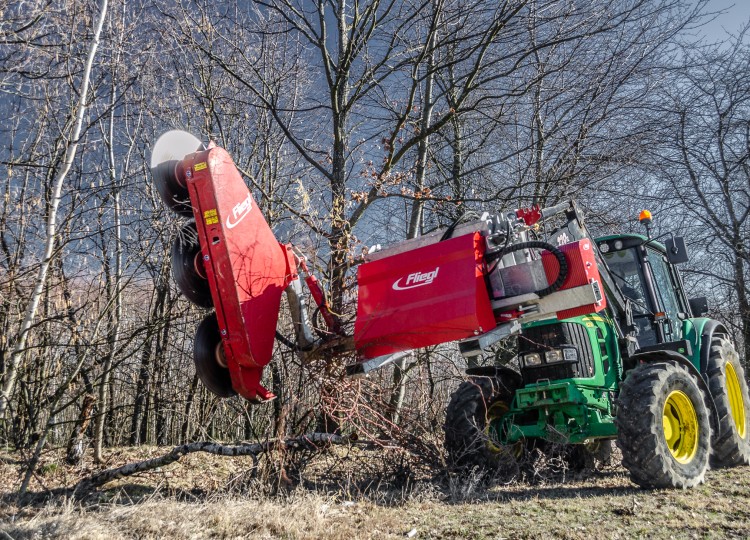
x=417, y=279
x=239, y=212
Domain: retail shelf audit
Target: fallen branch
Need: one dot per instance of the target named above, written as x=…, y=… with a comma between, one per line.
x=310, y=441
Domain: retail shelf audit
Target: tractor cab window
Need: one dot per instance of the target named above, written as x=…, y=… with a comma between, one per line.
x=666, y=293
x=628, y=274
x=629, y=277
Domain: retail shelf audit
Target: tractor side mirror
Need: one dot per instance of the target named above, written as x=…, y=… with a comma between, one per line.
x=699, y=306
x=676, y=250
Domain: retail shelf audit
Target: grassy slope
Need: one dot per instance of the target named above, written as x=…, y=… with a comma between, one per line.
x=604, y=505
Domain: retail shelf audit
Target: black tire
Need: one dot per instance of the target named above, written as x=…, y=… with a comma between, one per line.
x=171, y=191
x=169, y=149
x=661, y=454
x=590, y=456
x=206, y=347
x=187, y=267
x=466, y=442
x=726, y=381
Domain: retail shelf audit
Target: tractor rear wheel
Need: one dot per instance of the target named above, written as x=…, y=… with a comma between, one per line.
x=187, y=267
x=663, y=426
x=472, y=406
x=210, y=362
x=726, y=381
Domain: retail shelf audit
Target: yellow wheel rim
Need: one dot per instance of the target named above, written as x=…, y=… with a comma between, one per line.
x=736, y=401
x=680, y=426
x=513, y=450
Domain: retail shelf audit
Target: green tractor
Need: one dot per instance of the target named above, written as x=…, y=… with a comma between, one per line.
x=650, y=372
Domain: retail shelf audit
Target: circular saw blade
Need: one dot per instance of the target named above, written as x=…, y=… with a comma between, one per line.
x=173, y=146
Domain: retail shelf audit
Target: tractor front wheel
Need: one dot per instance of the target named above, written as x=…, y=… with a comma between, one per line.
x=590, y=456
x=663, y=426
x=472, y=406
x=726, y=380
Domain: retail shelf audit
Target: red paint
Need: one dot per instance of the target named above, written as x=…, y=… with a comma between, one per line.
x=529, y=215
x=430, y=295
x=248, y=269
x=582, y=269
x=316, y=291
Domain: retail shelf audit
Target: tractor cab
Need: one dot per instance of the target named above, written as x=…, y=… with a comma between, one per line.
x=644, y=271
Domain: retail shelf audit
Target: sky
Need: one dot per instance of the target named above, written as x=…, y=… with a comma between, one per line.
x=737, y=13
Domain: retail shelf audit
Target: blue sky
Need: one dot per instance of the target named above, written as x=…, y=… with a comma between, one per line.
x=737, y=14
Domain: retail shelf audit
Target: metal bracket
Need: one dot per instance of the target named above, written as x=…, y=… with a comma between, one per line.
x=300, y=319
x=548, y=306
x=475, y=345
x=362, y=369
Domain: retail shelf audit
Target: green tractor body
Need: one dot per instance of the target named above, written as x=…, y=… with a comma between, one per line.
x=569, y=400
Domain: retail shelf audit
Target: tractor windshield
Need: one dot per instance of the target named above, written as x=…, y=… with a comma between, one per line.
x=626, y=268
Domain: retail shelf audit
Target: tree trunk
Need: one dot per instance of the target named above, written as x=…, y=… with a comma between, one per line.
x=114, y=287
x=743, y=303
x=279, y=416
x=185, y=433
x=415, y=222
x=161, y=412
x=75, y=450
x=139, y=420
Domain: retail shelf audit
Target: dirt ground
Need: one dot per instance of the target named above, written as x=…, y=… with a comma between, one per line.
x=205, y=496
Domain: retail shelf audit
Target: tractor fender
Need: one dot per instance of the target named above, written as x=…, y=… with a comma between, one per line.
x=676, y=358
x=497, y=372
x=707, y=333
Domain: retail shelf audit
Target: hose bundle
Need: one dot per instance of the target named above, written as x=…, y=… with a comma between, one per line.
x=536, y=244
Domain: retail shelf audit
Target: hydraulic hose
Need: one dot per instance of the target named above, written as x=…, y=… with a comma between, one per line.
x=452, y=227
x=536, y=244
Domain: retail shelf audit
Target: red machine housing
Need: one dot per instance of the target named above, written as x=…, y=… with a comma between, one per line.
x=429, y=295
x=582, y=270
x=248, y=269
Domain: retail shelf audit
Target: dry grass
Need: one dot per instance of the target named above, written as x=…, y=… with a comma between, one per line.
x=209, y=504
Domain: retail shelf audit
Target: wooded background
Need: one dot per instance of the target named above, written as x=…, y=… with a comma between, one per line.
x=354, y=123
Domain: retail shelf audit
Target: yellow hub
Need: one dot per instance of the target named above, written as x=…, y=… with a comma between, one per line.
x=736, y=401
x=514, y=450
x=680, y=426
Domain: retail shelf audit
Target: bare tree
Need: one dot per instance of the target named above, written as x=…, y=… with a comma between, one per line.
x=706, y=161
x=76, y=119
